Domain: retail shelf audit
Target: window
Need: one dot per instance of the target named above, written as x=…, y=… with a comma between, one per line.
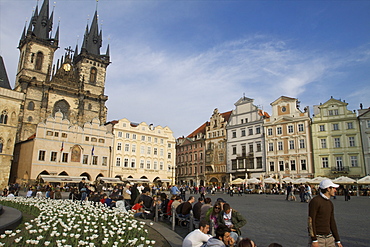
x=281, y=165
x=259, y=162
x=259, y=148
x=271, y=146
x=85, y=159
x=354, y=161
x=53, y=156
x=95, y=160
x=104, y=161
x=119, y=146
x=128, y=135
x=133, y=148
x=42, y=155
x=303, y=165
x=149, y=139
x=233, y=165
x=169, y=156
x=39, y=60
x=351, y=141
x=349, y=125
x=335, y=112
x=127, y=147
x=143, y=138
x=161, y=165
x=31, y=106
x=93, y=74
x=148, y=164
x=133, y=161
x=368, y=123
x=292, y=165
x=244, y=150
x=56, y=134
x=242, y=132
x=65, y=157
x=142, y=149
x=64, y=135
x=291, y=144
x=258, y=130
x=250, y=131
x=161, y=141
x=195, y=156
x=339, y=162
x=155, y=140
x=280, y=145
x=272, y=166
x=149, y=151
x=125, y=163
x=119, y=133
x=87, y=138
x=300, y=127
x=337, y=142
x=155, y=165
x=221, y=157
x=321, y=127
x=251, y=147
x=142, y=164
x=302, y=143
x=169, y=145
x=290, y=129
x=118, y=161
x=134, y=136
x=234, y=134
x=323, y=143
x=325, y=162
x=234, y=149
x=161, y=153
x=94, y=139
x=279, y=130
x=269, y=131
x=330, y=112
x=155, y=151
x=335, y=126
x=49, y=133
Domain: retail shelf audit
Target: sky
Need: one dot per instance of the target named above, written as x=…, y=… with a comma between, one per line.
x=175, y=61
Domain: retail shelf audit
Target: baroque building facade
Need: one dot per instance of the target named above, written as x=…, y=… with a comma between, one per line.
x=143, y=151
x=9, y=111
x=61, y=148
x=245, y=140
x=288, y=140
x=337, y=140
x=190, y=150
x=364, y=120
x=215, y=145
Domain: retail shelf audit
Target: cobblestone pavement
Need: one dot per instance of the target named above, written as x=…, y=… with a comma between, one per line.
x=270, y=218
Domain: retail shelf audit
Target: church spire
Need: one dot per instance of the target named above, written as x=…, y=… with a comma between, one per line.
x=92, y=38
x=44, y=23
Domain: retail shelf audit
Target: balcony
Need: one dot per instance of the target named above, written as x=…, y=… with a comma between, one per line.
x=340, y=169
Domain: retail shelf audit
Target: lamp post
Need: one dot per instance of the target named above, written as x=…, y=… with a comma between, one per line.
x=172, y=170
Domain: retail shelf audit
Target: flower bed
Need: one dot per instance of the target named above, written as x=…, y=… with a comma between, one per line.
x=70, y=223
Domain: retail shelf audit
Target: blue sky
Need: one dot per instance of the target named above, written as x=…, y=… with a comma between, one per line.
x=174, y=61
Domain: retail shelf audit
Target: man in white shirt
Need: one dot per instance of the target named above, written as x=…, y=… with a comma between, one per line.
x=197, y=237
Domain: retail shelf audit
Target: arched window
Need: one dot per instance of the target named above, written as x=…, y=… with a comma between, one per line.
x=31, y=106
x=4, y=117
x=63, y=107
x=39, y=60
x=93, y=73
x=1, y=145
x=30, y=119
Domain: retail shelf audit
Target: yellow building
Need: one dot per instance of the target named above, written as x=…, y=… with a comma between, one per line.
x=336, y=141
x=142, y=151
x=288, y=140
x=60, y=148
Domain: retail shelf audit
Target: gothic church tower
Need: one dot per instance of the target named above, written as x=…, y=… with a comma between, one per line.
x=74, y=85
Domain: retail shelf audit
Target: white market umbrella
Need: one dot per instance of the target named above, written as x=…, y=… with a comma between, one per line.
x=302, y=181
x=238, y=181
x=344, y=180
x=287, y=180
x=270, y=181
x=317, y=180
x=253, y=181
x=364, y=180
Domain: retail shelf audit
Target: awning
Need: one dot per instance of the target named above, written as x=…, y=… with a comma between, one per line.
x=110, y=180
x=136, y=180
x=63, y=179
x=164, y=180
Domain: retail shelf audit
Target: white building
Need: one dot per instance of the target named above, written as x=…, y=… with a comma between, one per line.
x=245, y=142
x=142, y=151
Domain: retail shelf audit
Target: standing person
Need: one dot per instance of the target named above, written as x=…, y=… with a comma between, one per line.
x=301, y=192
x=174, y=190
x=321, y=223
x=197, y=237
x=127, y=194
x=308, y=193
x=288, y=190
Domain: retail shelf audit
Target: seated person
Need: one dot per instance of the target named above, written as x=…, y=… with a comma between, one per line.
x=197, y=237
x=120, y=204
x=187, y=207
x=222, y=238
x=138, y=209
